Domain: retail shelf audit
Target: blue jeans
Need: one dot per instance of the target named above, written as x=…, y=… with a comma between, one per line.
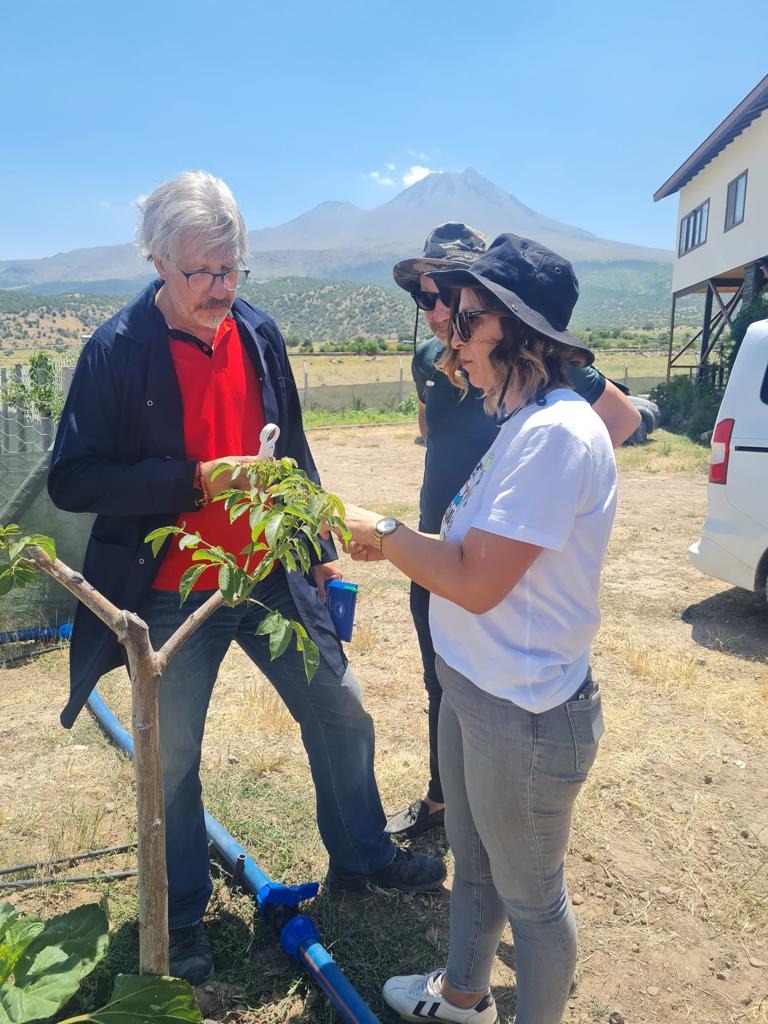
x=510, y=779
x=336, y=730
x=420, y=615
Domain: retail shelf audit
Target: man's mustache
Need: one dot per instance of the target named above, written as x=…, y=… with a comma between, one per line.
x=212, y=304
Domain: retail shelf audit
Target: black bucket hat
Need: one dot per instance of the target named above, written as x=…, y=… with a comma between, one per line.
x=448, y=245
x=532, y=282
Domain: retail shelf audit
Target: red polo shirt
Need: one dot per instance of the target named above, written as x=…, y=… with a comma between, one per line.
x=223, y=415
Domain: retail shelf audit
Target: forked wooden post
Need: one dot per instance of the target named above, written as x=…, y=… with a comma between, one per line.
x=146, y=668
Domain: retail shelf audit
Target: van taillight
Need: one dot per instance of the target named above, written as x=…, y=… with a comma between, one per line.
x=721, y=443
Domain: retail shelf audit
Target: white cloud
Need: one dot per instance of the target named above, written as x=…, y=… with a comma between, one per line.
x=390, y=167
x=415, y=173
x=104, y=205
x=380, y=179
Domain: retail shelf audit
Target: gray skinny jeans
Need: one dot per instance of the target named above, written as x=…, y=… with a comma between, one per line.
x=510, y=779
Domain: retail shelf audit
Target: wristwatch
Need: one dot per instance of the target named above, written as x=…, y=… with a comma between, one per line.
x=383, y=529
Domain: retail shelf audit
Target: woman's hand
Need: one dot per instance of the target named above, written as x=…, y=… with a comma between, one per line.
x=364, y=553
x=361, y=522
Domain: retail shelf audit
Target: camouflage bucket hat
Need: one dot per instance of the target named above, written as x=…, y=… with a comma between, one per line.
x=449, y=246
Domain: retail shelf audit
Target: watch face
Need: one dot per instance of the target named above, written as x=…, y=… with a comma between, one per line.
x=385, y=526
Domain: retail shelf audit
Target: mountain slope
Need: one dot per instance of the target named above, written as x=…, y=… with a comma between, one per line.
x=339, y=240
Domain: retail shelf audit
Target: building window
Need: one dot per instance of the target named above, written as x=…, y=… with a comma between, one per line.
x=734, y=206
x=693, y=229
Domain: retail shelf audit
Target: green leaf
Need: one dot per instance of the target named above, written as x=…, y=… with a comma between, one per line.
x=15, y=940
x=274, y=522
x=22, y=574
x=268, y=623
x=288, y=561
x=189, y=579
x=7, y=582
x=140, y=1000
x=17, y=547
x=158, y=537
x=311, y=535
x=309, y=652
x=223, y=467
x=237, y=510
x=52, y=966
x=279, y=636
x=311, y=656
x=303, y=559
x=8, y=914
x=189, y=540
x=227, y=584
x=256, y=518
x=46, y=543
x=211, y=555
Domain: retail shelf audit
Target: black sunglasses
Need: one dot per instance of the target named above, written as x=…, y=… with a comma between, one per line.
x=463, y=319
x=425, y=300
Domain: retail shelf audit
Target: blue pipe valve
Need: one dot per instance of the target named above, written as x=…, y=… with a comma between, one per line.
x=297, y=934
x=277, y=901
x=277, y=894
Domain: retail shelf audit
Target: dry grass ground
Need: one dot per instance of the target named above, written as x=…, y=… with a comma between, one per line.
x=667, y=863
x=328, y=370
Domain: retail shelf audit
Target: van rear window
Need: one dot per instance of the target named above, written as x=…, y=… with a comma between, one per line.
x=764, y=388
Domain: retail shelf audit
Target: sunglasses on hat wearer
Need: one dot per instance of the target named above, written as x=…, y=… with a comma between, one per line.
x=463, y=319
x=425, y=300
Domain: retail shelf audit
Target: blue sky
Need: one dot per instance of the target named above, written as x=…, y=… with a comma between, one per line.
x=580, y=110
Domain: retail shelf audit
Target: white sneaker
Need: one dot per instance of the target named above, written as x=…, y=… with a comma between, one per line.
x=418, y=997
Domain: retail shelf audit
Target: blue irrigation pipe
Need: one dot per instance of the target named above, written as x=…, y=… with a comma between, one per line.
x=277, y=903
x=16, y=636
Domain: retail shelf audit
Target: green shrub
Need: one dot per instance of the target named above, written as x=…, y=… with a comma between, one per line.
x=42, y=394
x=409, y=405
x=687, y=407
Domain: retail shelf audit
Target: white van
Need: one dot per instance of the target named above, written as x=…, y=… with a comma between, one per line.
x=734, y=541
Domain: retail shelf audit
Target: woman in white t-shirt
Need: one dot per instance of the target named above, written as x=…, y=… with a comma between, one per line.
x=514, y=579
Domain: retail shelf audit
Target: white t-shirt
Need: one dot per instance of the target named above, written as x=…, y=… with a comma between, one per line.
x=548, y=479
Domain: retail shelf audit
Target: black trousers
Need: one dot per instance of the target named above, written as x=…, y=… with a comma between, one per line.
x=420, y=613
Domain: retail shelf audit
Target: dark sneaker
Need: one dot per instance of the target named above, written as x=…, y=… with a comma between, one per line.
x=418, y=997
x=189, y=953
x=415, y=821
x=406, y=872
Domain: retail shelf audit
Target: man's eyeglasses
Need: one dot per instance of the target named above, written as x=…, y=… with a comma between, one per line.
x=200, y=281
x=464, y=318
x=425, y=300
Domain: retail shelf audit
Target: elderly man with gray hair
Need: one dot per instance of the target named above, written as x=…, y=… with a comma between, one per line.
x=181, y=379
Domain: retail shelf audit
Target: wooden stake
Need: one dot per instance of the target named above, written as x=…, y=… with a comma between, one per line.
x=146, y=667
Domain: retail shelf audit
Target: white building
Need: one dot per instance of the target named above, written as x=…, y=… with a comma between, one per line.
x=722, y=236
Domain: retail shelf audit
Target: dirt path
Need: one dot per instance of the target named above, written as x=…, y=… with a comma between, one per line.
x=667, y=865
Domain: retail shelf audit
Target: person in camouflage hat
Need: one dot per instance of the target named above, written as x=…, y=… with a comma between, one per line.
x=457, y=434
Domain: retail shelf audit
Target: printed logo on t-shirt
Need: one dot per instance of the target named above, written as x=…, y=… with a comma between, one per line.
x=465, y=493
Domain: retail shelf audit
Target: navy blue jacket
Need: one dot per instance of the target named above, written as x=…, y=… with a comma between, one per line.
x=119, y=453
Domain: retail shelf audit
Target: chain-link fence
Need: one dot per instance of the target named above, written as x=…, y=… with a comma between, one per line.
x=26, y=437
